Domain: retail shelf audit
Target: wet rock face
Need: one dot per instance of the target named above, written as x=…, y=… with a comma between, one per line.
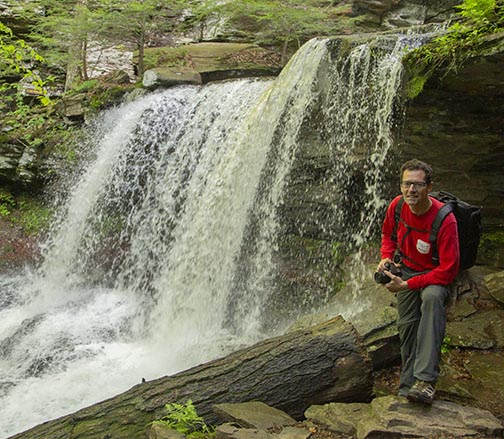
x=402, y=13
x=455, y=124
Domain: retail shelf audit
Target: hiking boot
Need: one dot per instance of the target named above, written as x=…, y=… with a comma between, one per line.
x=423, y=392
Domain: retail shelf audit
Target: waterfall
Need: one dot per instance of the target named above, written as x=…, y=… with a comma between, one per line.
x=361, y=114
x=162, y=256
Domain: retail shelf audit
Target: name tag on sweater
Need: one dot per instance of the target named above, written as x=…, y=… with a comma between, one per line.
x=423, y=247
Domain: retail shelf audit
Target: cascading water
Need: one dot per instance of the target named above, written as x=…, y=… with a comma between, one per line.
x=138, y=274
x=162, y=256
x=361, y=113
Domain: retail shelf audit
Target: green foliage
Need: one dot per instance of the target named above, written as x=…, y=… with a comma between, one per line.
x=496, y=237
x=7, y=203
x=14, y=53
x=185, y=419
x=86, y=86
x=465, y=38
x=446, y=345
x=32, y=215
x=415, y=86
x=167, y=56
x=339, y=253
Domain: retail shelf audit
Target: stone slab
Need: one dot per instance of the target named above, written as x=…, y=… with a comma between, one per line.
x=253, y=414
x=394, y=416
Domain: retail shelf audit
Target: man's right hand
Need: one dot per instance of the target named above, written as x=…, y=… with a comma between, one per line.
x=381, y=265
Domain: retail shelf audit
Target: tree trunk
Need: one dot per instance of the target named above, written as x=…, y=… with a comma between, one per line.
x=85, y=75
x=141, y=54
x=73, y=70
x=291, y=372
x=285, y=46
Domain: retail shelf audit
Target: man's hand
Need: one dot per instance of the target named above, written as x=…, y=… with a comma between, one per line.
x=396, y=284
x=381, y=265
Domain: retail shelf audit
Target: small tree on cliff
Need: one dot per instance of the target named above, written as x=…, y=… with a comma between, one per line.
x=62, y=30
x=273, y=21
x=136, y=21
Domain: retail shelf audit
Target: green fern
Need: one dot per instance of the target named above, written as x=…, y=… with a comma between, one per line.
x=466, y=37
x=184, y=419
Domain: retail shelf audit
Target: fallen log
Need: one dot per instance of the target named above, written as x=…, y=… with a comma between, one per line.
x=316, y=365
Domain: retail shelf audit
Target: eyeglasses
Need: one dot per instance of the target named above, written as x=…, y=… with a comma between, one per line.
x=416, y=184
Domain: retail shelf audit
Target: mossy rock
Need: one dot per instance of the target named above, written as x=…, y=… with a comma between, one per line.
x=215, y=61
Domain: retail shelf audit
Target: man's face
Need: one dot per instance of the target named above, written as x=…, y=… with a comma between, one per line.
x=414, y=188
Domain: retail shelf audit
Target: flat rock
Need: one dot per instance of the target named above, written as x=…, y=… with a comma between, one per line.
x=160, y=432
x=230, y=431
x=253, y=414
x=495, y=284
x=393, y=416
x=484, y=330
x=480, y=383
x=170, y=76
x=462, y=309
x=293, y=433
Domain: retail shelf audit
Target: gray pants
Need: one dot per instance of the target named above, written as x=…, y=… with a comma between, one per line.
x=421, y=323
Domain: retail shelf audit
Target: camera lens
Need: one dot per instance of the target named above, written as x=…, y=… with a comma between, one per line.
x=397, y=258
x=381, y=278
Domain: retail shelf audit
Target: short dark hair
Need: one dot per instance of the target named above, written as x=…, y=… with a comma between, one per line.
x=418, y=165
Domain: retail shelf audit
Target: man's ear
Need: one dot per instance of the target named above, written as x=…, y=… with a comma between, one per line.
x=430, y=186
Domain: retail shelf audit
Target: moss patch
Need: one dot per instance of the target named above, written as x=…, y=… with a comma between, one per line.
x=491, y=249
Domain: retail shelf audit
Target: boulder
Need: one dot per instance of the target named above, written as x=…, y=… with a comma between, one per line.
x=116, y=77
x=394, y=416
x=231, y=431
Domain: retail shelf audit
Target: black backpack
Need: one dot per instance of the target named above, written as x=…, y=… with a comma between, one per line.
x=468, y=222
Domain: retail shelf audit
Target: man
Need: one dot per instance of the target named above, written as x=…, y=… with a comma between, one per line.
x=422, y=290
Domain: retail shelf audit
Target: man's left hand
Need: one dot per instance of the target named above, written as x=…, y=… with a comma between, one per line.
x=396, y=284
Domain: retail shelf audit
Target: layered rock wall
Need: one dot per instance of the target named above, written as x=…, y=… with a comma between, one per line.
x=457, y=125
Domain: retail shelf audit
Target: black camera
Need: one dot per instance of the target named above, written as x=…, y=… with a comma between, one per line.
x=381, y=278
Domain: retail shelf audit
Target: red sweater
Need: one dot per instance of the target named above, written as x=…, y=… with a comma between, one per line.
x=417, y=247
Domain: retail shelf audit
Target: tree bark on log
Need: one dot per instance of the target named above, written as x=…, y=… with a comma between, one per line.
x=316, y=365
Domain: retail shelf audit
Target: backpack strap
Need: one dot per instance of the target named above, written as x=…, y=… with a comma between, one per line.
x=436, y=225
x=397, y=218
